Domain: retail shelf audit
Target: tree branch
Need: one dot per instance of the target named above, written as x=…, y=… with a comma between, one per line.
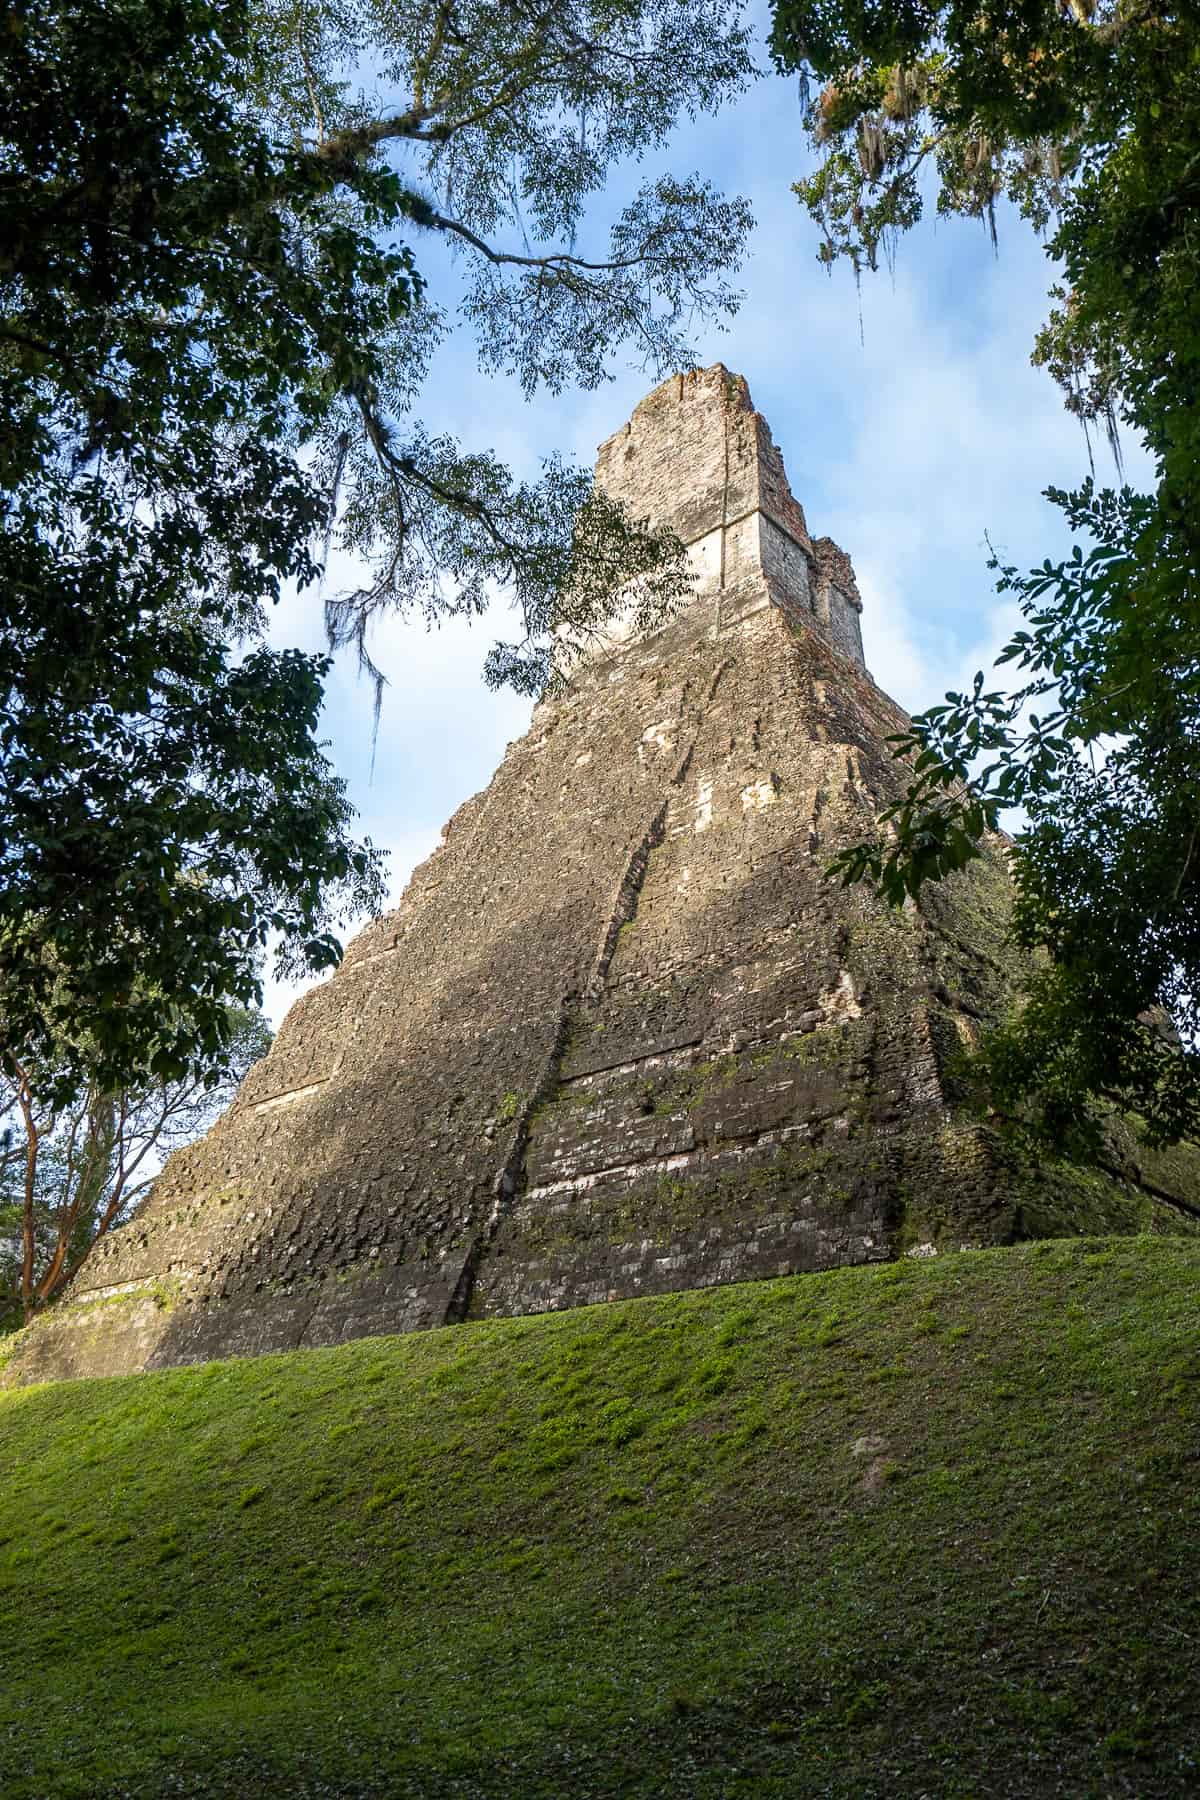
x=557, y=260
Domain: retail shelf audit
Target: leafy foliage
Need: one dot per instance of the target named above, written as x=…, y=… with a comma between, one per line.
x=212, y=336
x=1087, y=117
x=166, y=806
x=513, y=117
x=166, y=809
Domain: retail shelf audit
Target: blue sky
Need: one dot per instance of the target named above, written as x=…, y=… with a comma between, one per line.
x=906, y=438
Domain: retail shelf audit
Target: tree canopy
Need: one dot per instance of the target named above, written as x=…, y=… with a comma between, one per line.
x=502, y=124
x=213, y=339
x=1087, y=117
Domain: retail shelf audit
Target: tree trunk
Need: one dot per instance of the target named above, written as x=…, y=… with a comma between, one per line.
x=31, y=1156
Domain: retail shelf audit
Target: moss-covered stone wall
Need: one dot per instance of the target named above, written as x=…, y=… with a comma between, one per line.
x=621, y=1035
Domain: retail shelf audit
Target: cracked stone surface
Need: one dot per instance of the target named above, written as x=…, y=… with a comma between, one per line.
x=620, y=1036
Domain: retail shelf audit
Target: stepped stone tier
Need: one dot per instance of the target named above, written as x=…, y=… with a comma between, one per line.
x=620, y=1036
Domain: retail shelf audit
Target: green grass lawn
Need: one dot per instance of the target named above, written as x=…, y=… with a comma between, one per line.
x=921, y=1530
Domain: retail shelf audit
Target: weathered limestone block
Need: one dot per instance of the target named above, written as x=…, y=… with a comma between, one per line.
x=620, y=1036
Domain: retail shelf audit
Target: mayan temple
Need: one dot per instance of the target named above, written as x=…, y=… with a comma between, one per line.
x=621, y=1035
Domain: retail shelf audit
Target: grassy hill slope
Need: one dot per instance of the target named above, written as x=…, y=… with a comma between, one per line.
x=928, y=1529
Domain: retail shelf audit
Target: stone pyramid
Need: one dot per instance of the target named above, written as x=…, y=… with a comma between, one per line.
x=620, y=1036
